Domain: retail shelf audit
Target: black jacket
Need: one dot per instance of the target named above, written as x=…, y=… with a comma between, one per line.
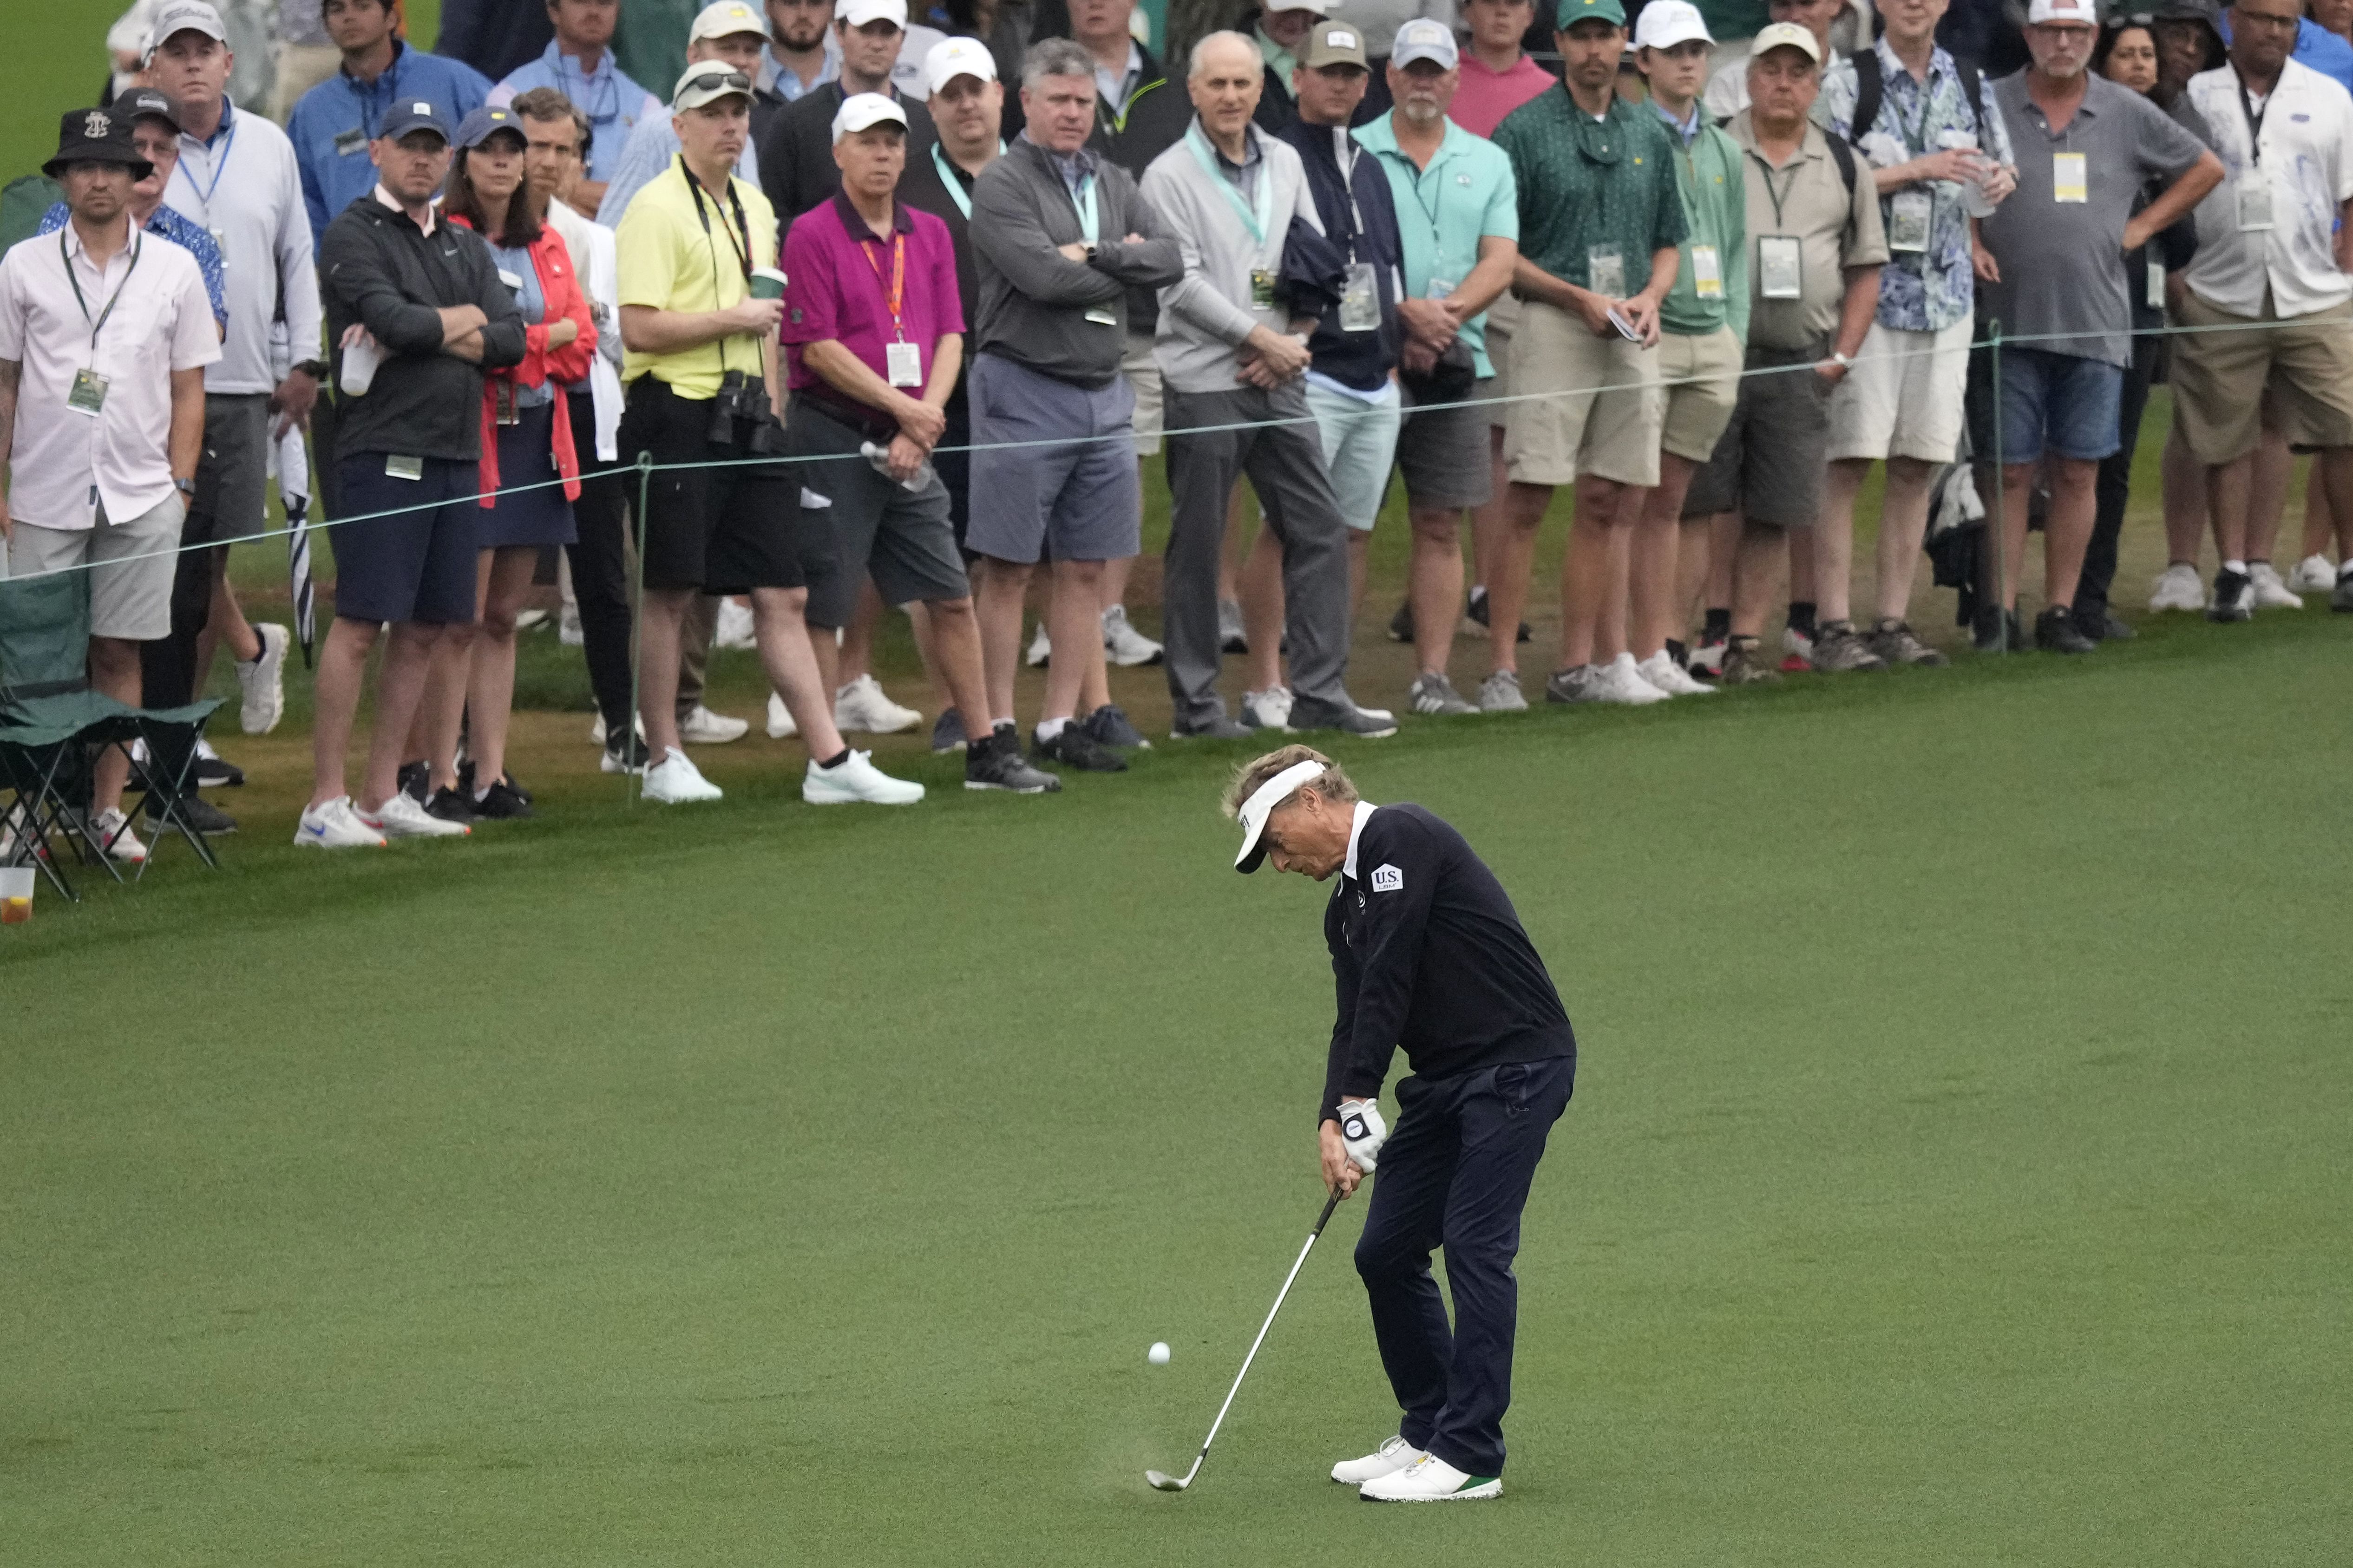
x=920, y=188
x=796, y=166
x=493, y=37
x=1361, y=360
x=378, y=269
x=1429, y=954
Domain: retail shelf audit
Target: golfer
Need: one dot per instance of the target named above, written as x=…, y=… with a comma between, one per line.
x=1429, y=955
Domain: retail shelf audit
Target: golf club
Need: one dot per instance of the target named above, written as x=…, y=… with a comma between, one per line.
x=1169, y=1483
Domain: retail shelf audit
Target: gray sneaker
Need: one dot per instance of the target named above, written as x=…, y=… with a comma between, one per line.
x=1366, y=724
x=1575, y=685
x=1110, y=727
x=1500, y=693
x=1838, y=650
x=1431, y=692
x=1211, y=727
x=1745, y=663
x=1894, y=644
x=947, y=732
x=997, y=762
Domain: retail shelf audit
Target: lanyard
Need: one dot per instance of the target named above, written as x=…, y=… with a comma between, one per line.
x=955, y=187
x=1257, y=222
x=1781, y=195
x=898, y=293
x=138, y=244
x=1090, y=217
x=1345, y=153
x=743, y=254
x=2255, y=121
x=220, y=167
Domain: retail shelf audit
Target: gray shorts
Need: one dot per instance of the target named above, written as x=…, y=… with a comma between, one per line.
x=128, y=598
x=1443, y=452
x=903, y=538
x=232, y=475
x=1077, y=500
x=1768, y=462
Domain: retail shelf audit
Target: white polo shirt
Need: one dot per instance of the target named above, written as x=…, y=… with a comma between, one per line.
x=244, y=186
x=64, y=462
x=2307, y=164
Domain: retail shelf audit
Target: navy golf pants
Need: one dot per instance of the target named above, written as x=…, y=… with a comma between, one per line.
x=1455, y=1175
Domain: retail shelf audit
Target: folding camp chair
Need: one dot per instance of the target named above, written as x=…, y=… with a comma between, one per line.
x=53, y=728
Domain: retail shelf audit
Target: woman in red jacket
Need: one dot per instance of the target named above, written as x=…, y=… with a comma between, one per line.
x=530, y=474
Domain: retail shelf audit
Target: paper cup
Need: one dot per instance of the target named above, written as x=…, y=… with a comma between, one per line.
x=360, y=358
x=17, y=884
x=767, y=283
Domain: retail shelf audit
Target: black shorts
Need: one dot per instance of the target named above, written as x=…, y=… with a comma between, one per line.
x=416, y=565
x=720, y=530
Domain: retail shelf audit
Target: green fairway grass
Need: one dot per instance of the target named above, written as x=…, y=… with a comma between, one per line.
x=1956, y=1174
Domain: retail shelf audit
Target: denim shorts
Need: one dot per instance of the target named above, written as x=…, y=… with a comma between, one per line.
x=2062, y=401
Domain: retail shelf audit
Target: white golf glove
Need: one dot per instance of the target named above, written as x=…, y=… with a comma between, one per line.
x=1363, y=1131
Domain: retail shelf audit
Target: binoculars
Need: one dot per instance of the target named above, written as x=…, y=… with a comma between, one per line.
x=744, y=400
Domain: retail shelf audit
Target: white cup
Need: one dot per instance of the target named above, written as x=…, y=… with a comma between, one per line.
x=16, y=885
x=361, y=357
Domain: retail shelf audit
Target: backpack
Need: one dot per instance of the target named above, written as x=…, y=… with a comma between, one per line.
x=1871, y=91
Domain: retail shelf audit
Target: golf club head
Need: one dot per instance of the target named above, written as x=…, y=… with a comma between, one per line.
x=1167, y=1483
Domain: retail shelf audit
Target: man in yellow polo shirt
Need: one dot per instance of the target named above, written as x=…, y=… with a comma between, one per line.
x=701, y=364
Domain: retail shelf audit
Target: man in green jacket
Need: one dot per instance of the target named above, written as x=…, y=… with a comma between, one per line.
x=1703, y=324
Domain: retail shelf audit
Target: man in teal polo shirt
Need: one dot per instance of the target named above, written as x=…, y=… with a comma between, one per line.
x=1458, y=214
x=1600, y=219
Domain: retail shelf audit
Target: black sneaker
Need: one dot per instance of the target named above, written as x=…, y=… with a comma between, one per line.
x=215, y=773
x=997, y=764
x=1110, y=727
x=1308, y=713
x=1074, y=748
x=2234, y=598
x=1401, y=624
x=199, y=813
x=947, y=732
x=1992, y=626
x=1215, y=727
x=508, y=780
x=1477, y=610
x=634, y=761
x=502, y=802
x=2102, y=626
x=415, y=780
x=450, y=806
x=2055, y=632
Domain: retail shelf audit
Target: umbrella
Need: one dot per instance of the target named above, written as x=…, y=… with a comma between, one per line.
x=292, y=461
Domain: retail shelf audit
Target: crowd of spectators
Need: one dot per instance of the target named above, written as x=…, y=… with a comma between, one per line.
x=900, y=307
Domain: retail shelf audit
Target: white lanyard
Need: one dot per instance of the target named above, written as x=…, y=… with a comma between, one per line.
x=1257, y=222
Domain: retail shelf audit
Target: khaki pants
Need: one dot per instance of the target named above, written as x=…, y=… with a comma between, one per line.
x=2219, y=379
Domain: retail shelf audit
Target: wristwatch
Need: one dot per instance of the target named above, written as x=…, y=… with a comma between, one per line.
x=1844, y=362
x=185, y=487
x=316, y=369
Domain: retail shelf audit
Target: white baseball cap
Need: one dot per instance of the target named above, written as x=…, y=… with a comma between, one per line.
x=2082, y=13
x=725, y=20
x=1321, y=8
x=185, y=17
x=952, y=57
x=858, y=12
x=863, y=110
x=1423, y=39
x=1785, y=36
x=1666, y=23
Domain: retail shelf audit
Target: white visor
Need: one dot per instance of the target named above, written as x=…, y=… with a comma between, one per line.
x=1262, y=805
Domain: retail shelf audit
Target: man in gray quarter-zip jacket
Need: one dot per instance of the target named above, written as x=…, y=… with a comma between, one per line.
x=1059, y=237
x=1231, y=358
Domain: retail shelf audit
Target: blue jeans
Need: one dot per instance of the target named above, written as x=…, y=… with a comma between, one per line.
x=1456, y=1175
x=2066, y=402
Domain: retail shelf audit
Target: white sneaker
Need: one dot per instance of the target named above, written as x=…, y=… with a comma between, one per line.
x=674, y=781
x=735, y=627
x=1430, y=1479
x=1616, y=681
x=1127, y=646
x=335, y=826
x=1661, y=671
x=596, y=736
x=1500, y=693
x=1042, y=649
x=2271, y=594
x=2179, y=588
x=568, y=630
x=701, y=727
x=781, y=726
x=261, y=684
x=400, y=817
x=863, y=708
x=857, y=781
x=1268, y=709
x=112, y=831
x=1393, y=1454
x=2313, y=574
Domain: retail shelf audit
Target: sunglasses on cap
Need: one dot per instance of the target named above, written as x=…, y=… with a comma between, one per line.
x=712, y=79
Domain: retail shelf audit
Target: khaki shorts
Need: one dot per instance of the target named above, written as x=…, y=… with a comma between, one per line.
x=1903, y=398
x=1143, y=373
x=2224, y=382
x=1566, y=425
x=131, y=567
x=1502, y=319
x=1708, y=371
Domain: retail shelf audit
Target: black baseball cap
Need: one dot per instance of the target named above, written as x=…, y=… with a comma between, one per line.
x=146, y=100
x=409, y=114
x=97, y=136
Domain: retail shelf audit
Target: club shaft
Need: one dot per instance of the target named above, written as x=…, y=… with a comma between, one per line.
x=1297, y=1263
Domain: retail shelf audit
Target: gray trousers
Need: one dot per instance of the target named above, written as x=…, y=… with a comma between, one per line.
x=1285, y=465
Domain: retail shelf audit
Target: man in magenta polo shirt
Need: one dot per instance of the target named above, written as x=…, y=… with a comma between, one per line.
x=873, y=334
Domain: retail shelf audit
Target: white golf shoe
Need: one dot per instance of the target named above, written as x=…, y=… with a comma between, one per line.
x=1393, y=1454
x=1430, y=1479
x=862, y=707
x=2313, y=574
x=261, y=681
x=675, y=781
x=1124, y=646
x=736, y=627
x=857, y=781
x=1042, y=649
x=1661, y=671
x=701, y=727
x=781, y=724
x=1618, y=682
x=400, y=817
x=335, y=826
x=2271, y=594
x=2177, y=587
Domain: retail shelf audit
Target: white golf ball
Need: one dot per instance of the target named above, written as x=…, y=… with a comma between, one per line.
x=1157, y=1355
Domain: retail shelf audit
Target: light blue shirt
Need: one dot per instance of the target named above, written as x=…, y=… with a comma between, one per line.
x=652, y=145
x=614, y=104
x=1688, y=129
x=330, y=126
x=1467, y=193
x=774, y=77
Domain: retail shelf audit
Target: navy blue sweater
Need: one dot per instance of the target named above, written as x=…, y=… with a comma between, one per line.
x=1361, y=360
x=1429, y=954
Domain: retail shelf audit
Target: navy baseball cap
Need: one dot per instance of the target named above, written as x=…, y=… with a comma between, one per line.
x=409, y=114
x=145, y=103
x=482, y=123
